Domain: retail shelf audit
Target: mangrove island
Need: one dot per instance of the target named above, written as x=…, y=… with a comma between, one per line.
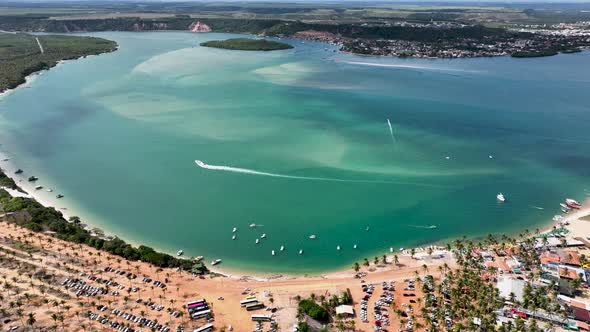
x=246, y=44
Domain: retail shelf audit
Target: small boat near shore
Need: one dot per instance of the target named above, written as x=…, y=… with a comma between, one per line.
x=38, y=187
x=199, y=258
x=33, y=178
x=18, y=171
x=59, y=196
x=179, y=253
x=572, y=203
x=216, y=261
x=49, y=190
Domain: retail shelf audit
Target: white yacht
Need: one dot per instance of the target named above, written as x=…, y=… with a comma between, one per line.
x=234, y=230
x=263, y=236
x=233, y=237
x=337, y=247
x=282, y=248
x=179, y=253
x=272, y=252
x=215, y=262
x=501, y=197
x=354, y=247
x=252, y=225
x=257, y=241
x=312, y=236
x=301, y=252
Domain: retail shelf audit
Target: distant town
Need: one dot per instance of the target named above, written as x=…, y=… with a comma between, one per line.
x=527, y=41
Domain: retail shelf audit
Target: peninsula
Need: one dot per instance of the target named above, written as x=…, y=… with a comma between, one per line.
x=247, y=44
x=23, y=54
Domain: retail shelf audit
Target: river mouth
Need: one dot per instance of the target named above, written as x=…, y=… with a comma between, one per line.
x=303, y=142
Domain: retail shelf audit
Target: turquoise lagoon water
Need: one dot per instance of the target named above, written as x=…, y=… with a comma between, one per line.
x=118, y=135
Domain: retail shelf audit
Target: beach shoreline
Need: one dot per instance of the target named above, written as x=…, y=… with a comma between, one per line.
x=259, y=276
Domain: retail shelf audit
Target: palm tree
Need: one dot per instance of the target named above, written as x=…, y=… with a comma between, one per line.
x=395, y=260
x=31, y=320
x=356, y=267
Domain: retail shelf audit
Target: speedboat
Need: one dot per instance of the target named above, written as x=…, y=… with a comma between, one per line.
x=367, y=229
x=179, y=253
x=252, y=225
x=234, y=230
x=301, y=252
x=233, y=237
x=49, y=190
x=216, y=261
x=200, y=163
x=312, y=236
x=272, y=252
x=263, y=236
x=59, y=196
x=572, y=203
x=390, y=249
x=354, y=247
x=501, y=197
x=38, y=187
x=18, y=171
x=257, y=241
x=282, y=248
x=337, y=247
x=33, y=178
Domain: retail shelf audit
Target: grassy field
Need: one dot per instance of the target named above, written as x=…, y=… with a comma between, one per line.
x=21, y=55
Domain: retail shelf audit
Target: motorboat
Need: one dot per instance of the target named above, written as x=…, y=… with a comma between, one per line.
x=216, y=261
x=179, y=253
x=501, y=197
x=572, y=203
x=312, y=236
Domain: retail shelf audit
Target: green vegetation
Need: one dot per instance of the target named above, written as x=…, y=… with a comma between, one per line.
x=247, y=44
x=535, y=54
x=314, y=310
x=21, y=55
x=7, y=182
x=38, y=218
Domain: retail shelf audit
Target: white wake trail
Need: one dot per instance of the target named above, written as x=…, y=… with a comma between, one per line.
x=391, y=130
x=253, y=172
